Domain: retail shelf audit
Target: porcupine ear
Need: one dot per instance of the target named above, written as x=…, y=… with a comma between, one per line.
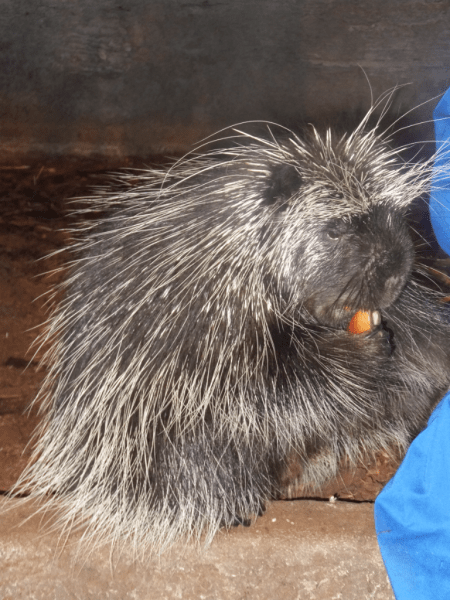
x=284, y=181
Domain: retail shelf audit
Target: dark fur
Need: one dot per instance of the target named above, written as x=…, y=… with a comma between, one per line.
x=271, y=309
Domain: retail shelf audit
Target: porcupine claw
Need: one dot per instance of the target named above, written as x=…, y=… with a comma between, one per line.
x=244, y=522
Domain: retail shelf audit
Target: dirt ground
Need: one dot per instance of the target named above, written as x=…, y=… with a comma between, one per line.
x=34, y=211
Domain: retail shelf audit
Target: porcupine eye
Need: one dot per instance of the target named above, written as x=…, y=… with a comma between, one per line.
x=336, y=229
x=283, y=182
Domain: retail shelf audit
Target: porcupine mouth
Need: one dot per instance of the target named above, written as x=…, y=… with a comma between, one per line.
x=350, y=319
x=368, y=322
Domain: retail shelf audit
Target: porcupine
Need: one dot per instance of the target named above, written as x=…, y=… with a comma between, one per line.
x=203, y=337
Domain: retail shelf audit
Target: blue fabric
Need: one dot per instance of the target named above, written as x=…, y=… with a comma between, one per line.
x=412, y=513
x=440, y=189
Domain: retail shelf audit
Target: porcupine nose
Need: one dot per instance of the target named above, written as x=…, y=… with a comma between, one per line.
x=393, y=269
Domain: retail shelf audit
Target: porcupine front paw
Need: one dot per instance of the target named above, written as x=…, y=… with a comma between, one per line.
x=372, y=332
x=382, y=339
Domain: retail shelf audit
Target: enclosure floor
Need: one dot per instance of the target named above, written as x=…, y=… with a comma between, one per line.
x=303, y=550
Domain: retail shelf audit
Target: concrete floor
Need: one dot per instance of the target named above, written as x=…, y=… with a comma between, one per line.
x=299, y=550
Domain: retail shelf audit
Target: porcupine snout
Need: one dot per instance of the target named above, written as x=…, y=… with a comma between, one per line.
x=389, y=258
x=391, y=272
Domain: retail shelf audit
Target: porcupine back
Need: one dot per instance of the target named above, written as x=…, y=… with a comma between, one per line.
x=202, y=337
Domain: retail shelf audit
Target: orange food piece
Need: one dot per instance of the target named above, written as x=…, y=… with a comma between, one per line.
x=360, y=322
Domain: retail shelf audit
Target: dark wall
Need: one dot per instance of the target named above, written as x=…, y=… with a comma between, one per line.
x=123, y=77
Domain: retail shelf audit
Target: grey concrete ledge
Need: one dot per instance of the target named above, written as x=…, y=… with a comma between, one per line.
x=301, y=550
